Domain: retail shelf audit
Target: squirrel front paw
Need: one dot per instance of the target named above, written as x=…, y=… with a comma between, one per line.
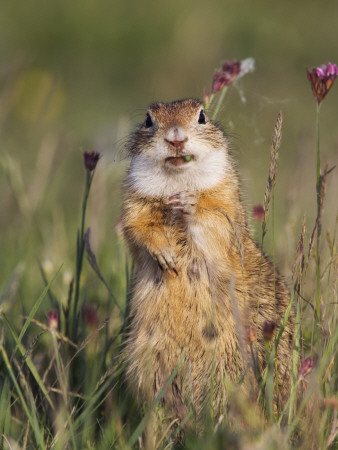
x=167, y=260
x=185, y=202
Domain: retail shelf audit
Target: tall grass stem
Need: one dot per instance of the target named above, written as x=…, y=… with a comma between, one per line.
x=318, y=189
x=79, y=256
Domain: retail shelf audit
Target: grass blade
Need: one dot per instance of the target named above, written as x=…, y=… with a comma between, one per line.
x=5, y=414
x=279, y=335
x=32, y=418
x=142, y=424
x=35, y=308
x=295, y=359
x=28, y=361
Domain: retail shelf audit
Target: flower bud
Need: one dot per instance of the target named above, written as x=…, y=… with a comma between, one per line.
x=53, y=319
x=268, y=329
x=307, y=366
x=91, y=159
x=250, y=333
x=258, y=212
x=322, y=79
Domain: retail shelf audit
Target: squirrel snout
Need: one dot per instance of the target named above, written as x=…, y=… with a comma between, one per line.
x=176, y=144
x=176, y=138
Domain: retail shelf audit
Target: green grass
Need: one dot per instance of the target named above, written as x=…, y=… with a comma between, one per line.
x=63, y=387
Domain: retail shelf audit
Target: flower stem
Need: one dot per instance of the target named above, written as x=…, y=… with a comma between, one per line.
x=79, y=256
x=208, y=103
x=220, y=101
x=318, y=189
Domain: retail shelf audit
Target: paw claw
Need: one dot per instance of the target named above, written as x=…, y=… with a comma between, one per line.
x=185, y=202
x=167, y=261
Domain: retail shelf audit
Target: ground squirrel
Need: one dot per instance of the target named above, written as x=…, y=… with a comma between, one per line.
x=199, y=278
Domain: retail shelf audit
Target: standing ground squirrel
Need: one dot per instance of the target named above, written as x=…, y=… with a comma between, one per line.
x=199, y=278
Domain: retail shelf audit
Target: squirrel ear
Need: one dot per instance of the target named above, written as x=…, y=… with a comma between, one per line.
x=148, y=122
x=201, y=118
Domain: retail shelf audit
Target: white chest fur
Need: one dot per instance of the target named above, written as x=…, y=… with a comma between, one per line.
x=153, y=178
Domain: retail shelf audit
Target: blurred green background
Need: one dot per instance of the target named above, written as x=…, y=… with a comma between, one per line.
x=78, y=75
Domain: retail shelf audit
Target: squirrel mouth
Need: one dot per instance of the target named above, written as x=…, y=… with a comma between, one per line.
x=179, y=160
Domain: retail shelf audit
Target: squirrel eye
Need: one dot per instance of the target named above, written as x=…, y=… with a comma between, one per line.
x=148, y=122
x=201, y=118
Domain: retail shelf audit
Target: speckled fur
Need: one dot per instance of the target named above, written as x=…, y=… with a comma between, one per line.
x=223, y=282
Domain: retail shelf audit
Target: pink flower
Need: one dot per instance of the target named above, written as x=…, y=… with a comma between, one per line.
x=258, y=212
x=230, y=71
x=53, y=319
x=307, y=366
x=90, y=316
x=321, y=79
x=91, y=159
x=225, y=75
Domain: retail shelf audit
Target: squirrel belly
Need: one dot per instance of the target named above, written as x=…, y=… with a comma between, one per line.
x=199, y=278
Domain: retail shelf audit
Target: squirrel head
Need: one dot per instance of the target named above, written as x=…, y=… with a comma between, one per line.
x=177, y=144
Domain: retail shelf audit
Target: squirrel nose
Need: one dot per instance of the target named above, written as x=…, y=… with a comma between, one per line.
x=176, y=138
x=177, y=144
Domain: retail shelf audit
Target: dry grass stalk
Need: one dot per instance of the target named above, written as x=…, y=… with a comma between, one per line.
x=275, y=144
x=59, y=335
x=299, y=256
x=311, y=242
x=31, y=347
x=318, y=224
